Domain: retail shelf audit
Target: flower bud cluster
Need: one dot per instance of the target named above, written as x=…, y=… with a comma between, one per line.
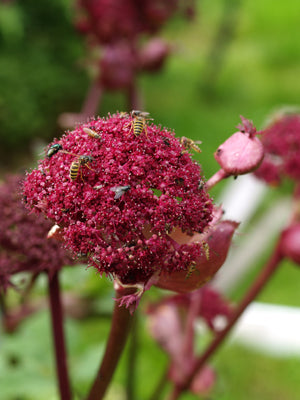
x=113, y=20
x=117, y=196
x=124, y=32
x=281, y=140
x=23, y=237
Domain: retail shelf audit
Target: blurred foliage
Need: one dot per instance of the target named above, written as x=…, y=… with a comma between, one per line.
x=39, y=73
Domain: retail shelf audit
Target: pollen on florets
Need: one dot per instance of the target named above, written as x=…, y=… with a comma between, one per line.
x=23, y=237
x=123, y=204
x=281, y=140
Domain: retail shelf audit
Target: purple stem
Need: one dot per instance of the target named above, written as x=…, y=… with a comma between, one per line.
x=92, y=99
x=134, y=101
x=29, y=287
x=120, y=327
x=58, y=337
x=254, y=290
x=216, y=178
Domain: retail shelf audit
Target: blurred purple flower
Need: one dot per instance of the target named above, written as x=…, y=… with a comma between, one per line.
x=23, y=237
x=172, y=323
x=281, y=139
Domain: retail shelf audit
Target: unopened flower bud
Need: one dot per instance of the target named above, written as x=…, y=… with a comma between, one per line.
x=242, y=152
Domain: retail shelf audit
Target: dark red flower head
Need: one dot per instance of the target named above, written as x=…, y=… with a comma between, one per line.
x=281, y=139
x=23, y=237
x=119, y=192
x=111, y=20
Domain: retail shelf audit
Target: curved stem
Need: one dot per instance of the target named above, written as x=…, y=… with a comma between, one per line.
x=121, y=322
x=58, y=337
x=254, y=290
x=216, y=178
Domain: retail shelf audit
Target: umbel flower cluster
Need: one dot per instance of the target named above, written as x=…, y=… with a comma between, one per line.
x=23, y=237
x=113, y=20
x=120, y=35
x=119, y=197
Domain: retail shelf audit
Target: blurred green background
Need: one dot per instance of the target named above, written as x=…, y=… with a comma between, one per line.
x=237, y=57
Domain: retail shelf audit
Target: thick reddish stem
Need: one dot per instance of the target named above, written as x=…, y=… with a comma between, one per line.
x=254, y=290
x=91, y=102
x=88, y=110
x=120, y=326
x=134, y=100
x=216, y=178
x=58, y=337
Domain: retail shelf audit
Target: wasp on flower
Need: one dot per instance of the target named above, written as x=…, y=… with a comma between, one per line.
x=166, y=216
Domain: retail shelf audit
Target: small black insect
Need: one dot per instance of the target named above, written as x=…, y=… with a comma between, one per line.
x=166, y=141
x=54, y=149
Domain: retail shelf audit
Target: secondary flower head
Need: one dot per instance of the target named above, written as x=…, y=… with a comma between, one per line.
x=118, y=195
x=23, y=237
x=110, y=21
x=281, y=139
